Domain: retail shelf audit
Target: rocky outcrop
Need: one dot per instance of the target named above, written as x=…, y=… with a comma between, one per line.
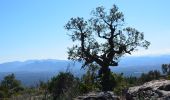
x=98, y=96
x=153, y=90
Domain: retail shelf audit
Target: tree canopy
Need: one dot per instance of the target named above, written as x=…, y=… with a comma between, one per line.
x=9, y=85
x=103, y=39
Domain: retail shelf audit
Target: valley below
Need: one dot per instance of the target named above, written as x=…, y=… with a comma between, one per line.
x=32, y=71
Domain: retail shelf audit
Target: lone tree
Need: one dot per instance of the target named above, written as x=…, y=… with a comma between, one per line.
x=102, y=40
x=166, y=69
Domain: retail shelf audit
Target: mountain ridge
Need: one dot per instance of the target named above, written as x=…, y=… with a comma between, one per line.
x=31, y=71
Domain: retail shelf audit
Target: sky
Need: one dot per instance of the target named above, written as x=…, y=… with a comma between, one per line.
x=34, y=29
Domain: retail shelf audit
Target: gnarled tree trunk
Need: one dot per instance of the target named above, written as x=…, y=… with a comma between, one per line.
x=106, y=81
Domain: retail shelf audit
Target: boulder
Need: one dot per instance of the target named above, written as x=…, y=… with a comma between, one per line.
x=98, y=96
x=153, y=90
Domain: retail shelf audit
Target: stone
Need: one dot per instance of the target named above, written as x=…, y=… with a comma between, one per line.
x=153, y=90
x=98, y=96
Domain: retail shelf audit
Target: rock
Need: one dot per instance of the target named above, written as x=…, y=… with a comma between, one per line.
x=98, y=96
x=153, y=90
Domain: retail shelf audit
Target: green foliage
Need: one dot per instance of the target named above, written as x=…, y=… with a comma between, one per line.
x=2, y=94
x=107, y=81
x=132, y=80
x=61, y=84
x=118, y=40
x=121, y=83
x=43, y=85
x=151, y=75
x=168, y=77
x=65, y=86
x=166, y=69
x=10, y=86
x=86, y=85
x=89, y=79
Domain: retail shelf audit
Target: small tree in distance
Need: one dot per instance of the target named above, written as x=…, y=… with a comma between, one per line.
x=10, y=85
x=102, y=40
x=166, y=69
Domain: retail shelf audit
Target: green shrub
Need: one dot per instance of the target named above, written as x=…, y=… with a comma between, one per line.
x=2, y=94
x=10, y=86
x=60, y=84
x=151, y=75
x=120, y=83
x=84, y=88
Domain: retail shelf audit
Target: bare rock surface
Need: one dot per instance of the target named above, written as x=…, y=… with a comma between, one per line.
x=98, y=96
x=153, y=90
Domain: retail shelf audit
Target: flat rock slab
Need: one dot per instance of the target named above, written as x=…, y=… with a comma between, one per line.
x=153, y=90
x=98, y=96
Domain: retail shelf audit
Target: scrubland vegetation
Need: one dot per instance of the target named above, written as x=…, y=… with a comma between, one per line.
x=97, y=56
x=66, y=86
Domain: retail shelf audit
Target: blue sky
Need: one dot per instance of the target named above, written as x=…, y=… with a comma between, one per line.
x=33, y=29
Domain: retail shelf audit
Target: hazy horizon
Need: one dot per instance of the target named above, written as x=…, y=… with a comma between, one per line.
x=55, y=59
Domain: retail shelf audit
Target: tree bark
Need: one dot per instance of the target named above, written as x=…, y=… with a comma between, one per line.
x=105, y=75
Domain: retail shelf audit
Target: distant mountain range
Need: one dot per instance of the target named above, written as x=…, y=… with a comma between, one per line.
x=32, y=71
